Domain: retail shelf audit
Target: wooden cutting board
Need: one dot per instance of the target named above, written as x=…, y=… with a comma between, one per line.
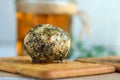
x=111, y=60
x=23, y=66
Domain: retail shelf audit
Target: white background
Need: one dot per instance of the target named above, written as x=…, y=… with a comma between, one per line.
x=105, y=22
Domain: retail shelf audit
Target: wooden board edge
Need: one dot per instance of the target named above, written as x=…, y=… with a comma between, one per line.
x=69, y=72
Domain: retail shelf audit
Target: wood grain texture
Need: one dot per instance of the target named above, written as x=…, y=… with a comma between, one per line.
x=110, y=76
x=111, y=60
x=23, y=66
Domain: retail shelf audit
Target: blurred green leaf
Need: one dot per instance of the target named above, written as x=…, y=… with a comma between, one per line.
x=79, y=44
x=89, y=54
x=99, y=49
x=95, y=51
x=111, y=53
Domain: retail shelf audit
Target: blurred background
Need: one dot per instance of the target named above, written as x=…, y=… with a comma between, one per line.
x=103, y=15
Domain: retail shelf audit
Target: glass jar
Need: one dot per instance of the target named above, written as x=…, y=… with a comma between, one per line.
x=32, y=12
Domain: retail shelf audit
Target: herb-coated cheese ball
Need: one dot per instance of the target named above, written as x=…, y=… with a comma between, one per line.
x=47, y=43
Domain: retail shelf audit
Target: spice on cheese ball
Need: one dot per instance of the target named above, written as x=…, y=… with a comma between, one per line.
x=47, y=43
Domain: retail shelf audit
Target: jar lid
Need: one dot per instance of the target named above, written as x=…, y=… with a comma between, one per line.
x=35, y=6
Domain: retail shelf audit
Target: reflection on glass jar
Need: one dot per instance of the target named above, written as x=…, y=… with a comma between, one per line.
x=33, y=12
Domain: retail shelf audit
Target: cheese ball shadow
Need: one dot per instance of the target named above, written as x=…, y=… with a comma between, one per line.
x=47, y=43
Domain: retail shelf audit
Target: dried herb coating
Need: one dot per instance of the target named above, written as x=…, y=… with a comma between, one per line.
x=46, y=43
